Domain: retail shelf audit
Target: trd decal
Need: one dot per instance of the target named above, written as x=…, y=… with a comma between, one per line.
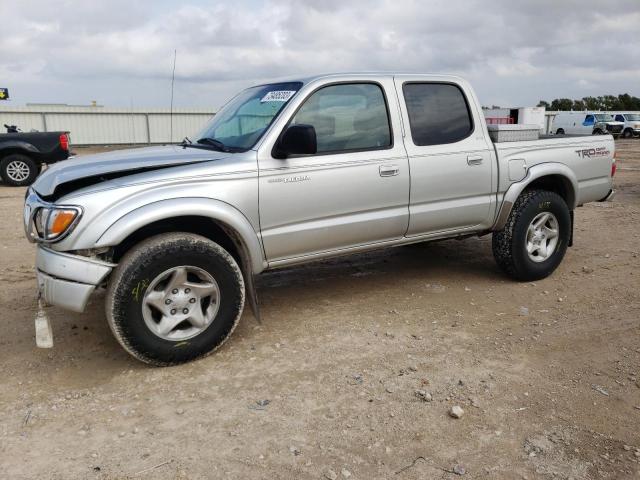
x=593, y=152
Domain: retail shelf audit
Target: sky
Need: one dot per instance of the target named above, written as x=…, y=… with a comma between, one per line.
x=120, y=52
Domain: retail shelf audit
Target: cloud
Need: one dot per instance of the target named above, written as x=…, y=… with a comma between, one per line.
x=120, y=51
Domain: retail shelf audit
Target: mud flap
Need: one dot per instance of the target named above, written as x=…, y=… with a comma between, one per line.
x=44, y=333
x=252, y=295
x=570, y=244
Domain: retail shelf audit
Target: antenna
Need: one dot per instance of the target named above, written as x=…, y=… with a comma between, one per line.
x=173, y=77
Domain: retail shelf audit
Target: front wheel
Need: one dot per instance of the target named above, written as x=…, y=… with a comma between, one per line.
x=174, y=298
x=18, y=170
x=535, y=237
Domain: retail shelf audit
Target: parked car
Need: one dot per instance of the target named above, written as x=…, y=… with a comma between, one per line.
x=631, y=122
x=586, y=123
x=22, y=154
x=292, y=172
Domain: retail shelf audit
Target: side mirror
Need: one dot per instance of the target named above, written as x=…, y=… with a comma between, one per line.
x=296, y=140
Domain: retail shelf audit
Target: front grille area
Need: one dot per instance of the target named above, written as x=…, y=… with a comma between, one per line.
x=614, y=128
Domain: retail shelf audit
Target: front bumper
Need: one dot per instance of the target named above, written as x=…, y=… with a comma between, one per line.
x=66, y=280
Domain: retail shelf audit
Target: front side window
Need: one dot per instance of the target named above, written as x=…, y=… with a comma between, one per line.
x=347, y=117
x=438, y=113
x=619, y=118
x=588, y=120
x=242, y=121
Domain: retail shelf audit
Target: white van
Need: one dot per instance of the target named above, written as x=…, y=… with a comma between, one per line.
x=586, y=123
x=631, y=122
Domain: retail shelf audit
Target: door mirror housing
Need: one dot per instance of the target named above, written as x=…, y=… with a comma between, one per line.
x=296, y=140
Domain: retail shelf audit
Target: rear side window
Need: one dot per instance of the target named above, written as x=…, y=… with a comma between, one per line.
x=438, y=113
x=347, y=117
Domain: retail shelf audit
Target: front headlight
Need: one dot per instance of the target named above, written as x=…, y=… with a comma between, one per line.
x=53, y=223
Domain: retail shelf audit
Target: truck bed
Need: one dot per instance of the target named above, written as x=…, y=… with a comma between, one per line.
x=588, y=159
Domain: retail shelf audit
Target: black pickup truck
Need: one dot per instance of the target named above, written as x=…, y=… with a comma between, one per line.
x=22, y=154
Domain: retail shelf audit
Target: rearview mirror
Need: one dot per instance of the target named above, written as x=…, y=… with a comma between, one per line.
x=296, y=140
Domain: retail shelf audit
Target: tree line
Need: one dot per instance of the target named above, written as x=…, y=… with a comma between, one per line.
x=605, y=103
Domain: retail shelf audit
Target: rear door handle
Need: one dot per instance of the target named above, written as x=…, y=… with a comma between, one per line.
x=474, y=160
x=389, y=170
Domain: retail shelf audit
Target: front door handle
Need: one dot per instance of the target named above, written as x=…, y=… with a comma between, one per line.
x=389, y=170
x=474, y=160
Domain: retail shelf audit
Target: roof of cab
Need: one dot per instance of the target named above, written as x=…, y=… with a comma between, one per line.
x=337, y=76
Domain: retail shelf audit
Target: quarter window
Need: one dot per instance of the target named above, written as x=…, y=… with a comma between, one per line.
x=347, y=117
x=438, y=113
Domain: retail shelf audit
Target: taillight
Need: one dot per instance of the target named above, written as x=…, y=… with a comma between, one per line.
x=64, y=141
x=613, y=165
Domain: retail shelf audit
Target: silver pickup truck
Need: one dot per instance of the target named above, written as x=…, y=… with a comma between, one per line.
x=292, y=172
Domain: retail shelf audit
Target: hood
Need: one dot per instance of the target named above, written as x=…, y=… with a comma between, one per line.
x=89, y=169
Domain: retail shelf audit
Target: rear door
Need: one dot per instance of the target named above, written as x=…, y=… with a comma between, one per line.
x=354, y=191
x=450, y=157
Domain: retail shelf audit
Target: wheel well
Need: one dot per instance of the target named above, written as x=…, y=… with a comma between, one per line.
x=5, y=152
x=223, y=235
x=555, y=183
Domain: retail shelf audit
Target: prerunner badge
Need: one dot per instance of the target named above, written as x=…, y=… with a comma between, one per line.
x=278, y=96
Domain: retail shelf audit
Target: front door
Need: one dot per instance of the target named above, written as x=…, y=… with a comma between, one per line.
x=451, y=161
x=354, y=191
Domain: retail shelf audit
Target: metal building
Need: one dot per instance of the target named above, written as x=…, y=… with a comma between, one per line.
x=98, y=125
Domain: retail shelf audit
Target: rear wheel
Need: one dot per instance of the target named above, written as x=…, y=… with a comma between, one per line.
x=174, y=298
x=18, y=170
x=535, y=237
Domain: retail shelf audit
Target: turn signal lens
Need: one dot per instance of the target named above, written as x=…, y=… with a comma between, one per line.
x=59, y=221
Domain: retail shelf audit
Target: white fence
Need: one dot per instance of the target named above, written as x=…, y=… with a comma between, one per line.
x=96, y=125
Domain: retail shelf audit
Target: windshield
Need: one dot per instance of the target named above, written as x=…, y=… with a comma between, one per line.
x=242, y=121
x=632, y=117
x=603, y=117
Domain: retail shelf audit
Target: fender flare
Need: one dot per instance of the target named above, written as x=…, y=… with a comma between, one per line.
x=229, y=217
x=534, y=173
x=26, y=147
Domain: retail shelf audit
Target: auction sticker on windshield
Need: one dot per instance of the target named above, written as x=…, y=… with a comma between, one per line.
x=278, y=96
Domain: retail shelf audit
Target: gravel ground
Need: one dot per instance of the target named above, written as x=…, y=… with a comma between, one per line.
x=354, y=372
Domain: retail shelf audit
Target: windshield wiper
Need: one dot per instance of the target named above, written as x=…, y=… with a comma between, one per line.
x=214, y=143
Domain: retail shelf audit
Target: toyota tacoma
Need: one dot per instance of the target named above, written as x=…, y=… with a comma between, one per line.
x=291, y=172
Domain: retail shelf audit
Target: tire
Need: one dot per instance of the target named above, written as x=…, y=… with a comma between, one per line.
x=18, y=170
x=510, y=245
x=597, y=131
x=133, y=293
x=560, y=131
x=628, y=133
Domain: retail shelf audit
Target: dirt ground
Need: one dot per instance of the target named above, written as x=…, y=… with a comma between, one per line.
x=547, y=373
